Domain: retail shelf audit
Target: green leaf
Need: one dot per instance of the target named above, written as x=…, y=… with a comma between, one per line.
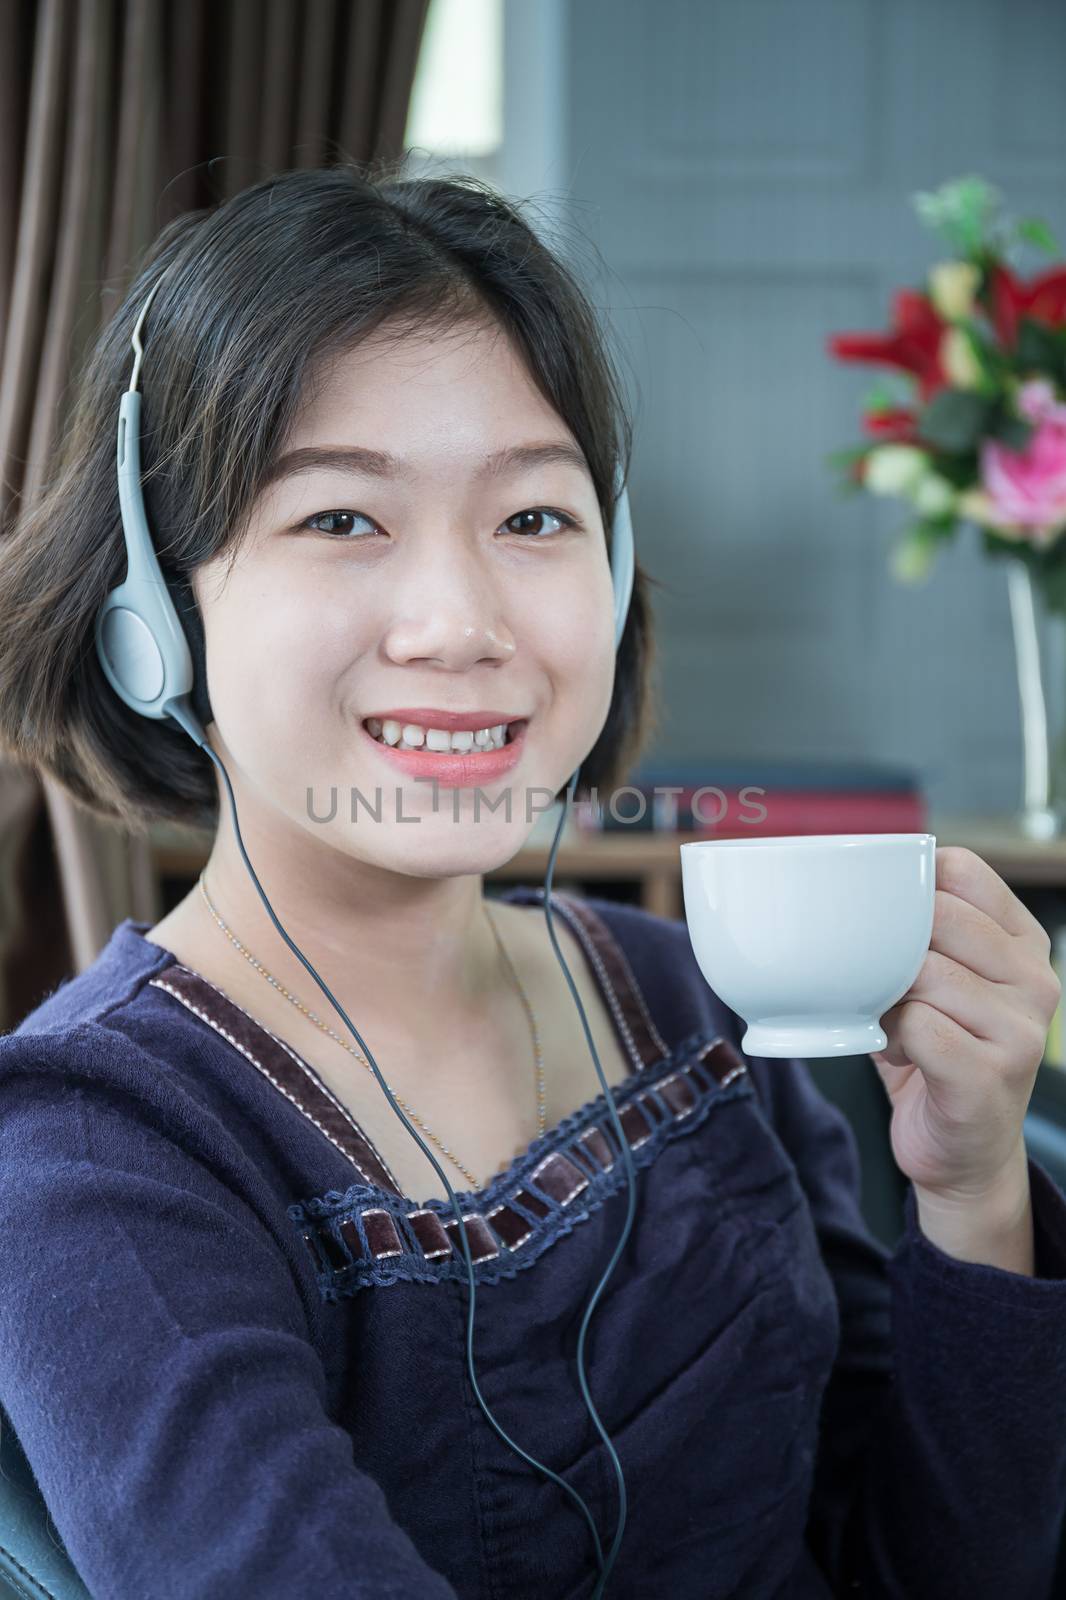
x=997, y=548
x=961, y=210
x=1036, y=346
x=1050, y=576
x=955, y=419
x=1035, y=231
x=961, y=470
x=882, y=398
x=842, y=462
x=912, y=558
x=1013, y=431
x=1047, y=569
x=846, y=458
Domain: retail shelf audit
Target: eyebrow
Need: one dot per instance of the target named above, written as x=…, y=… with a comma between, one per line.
x=380, y=464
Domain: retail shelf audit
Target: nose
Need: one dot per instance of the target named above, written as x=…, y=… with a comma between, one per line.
x=451, y=616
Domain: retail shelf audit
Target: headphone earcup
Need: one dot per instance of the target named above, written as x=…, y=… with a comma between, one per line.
x=141, y=647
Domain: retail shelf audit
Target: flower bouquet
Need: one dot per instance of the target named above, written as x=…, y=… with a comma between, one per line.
x=978, y=433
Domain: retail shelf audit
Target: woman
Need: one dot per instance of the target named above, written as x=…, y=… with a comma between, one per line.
x=233, y=1327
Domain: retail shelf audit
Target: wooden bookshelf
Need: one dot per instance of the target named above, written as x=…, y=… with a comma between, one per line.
x=651, y=863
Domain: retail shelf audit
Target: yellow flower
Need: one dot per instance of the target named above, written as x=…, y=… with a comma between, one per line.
x=933, y=495
x=910, y=560
x=952, y=286
x=894, y=468
x=977, y=506
x=958, y=360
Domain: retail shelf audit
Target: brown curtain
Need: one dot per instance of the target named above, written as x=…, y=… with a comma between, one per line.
x=116, y=115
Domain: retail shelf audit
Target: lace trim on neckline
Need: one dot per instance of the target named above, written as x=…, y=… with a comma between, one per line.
x=366, y=1237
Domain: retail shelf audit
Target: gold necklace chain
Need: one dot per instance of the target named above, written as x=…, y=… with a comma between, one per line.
x=358, y=1054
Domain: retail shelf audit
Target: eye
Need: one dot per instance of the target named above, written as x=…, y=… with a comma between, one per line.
x=561, y=517
x=540, y=511
x=321, y=515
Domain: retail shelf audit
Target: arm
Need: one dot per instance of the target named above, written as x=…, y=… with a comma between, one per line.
x=941, y=1468
x=155, y=1359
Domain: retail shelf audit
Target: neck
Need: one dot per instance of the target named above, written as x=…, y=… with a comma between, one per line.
x=417, y=953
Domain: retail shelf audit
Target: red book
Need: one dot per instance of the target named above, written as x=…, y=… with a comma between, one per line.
x=716, y=811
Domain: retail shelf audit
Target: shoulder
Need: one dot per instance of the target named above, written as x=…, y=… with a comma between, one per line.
x=118, y=1022
x=118, y=976
x=109, y=1051
x=57, y=1083
x=115, y=1114
x=650, y=958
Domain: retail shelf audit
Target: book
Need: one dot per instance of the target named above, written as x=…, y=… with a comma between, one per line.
x=735, y=800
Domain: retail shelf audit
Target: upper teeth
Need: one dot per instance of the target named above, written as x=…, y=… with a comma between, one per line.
x=412, y=737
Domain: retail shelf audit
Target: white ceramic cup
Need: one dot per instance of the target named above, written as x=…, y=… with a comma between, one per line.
x=811, y=938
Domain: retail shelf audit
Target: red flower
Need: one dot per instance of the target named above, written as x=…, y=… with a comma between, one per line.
x=1043, y=299
x=897, y=426
x=913, y=344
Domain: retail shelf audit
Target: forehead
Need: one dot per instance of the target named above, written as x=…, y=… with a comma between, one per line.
x=420, y=393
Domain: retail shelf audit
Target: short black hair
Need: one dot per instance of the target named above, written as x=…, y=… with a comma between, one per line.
x=257, y=290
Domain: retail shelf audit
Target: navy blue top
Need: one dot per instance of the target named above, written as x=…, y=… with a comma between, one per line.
x=235, y=1354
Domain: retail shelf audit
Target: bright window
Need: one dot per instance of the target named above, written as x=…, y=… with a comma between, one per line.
x=457, y=98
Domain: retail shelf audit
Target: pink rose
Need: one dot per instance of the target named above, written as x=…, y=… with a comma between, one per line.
x=1027, y=489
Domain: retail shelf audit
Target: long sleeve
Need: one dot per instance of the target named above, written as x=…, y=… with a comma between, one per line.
x=941, y=1469
x=154, y=1353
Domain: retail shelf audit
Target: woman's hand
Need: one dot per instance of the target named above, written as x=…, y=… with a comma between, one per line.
x=966, y=1040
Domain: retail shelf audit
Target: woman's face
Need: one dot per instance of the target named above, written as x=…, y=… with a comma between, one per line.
x=442, y=582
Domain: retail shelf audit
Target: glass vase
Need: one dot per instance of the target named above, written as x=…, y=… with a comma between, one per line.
x=1040, y=654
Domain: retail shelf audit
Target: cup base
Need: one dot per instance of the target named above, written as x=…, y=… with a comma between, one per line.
x=808, y=1036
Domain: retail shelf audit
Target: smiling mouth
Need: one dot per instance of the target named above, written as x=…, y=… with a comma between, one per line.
x=437, y=741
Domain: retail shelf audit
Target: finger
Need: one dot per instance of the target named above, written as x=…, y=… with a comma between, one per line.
x=986, y=1009
x=975, y=940
x=963, y=873
x=944, y=1051
x=893, y=1054
x=892, y=1075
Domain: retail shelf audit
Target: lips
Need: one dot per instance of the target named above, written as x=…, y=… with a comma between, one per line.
x=449, y=721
